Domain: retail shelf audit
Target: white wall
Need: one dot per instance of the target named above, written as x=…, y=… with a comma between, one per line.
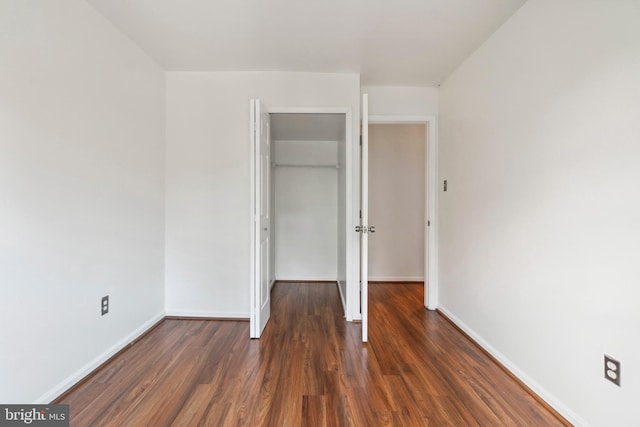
x=397, y=202
x=539, y=229
x=207, y=255
x=305, y=199
x=81, y=194
x=402, y=101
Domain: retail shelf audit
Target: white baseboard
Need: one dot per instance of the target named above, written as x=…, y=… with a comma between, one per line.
x=344, y=305
x=209, y=314
x=553, y=401
x=396, y=278
x=69, y=382
x=307, y=279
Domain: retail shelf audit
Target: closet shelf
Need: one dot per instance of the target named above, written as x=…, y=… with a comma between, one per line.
x=290, y=165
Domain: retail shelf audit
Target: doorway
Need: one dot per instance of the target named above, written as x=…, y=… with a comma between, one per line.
x=305, y=189
x=397, y=202
x=430, y=231
x=305, y=196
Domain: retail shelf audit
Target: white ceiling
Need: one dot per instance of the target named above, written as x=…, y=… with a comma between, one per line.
x=399, y=43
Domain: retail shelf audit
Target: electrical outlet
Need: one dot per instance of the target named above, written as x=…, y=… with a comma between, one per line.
x=612, y=370
x=105, y=305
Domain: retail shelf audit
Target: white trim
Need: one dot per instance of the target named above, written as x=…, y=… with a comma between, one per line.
x=389, y=120
x=396, y=278
x=431, y=297
x=307, y=279
x=352, y=172
x=364, y=221
x=252, y=219
x=210, y=314
x=431, y=199
x=74, y=378
x=344, y=305
x=553, y=401
x=309, y=110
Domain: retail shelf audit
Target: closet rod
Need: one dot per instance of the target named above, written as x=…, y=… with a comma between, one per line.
x=284, y=165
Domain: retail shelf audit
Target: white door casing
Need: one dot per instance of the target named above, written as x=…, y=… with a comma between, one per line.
x=260, y=224
x=364, y=225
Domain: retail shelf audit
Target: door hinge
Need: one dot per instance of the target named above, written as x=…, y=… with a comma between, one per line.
x=428, y=223
x=360, y=139
x=360, y=213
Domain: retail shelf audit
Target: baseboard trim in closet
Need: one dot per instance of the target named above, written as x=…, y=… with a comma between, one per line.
x=306, y=281
x=342, y=300
x=399, y=279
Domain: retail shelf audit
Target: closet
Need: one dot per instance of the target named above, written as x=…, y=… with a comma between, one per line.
x=307, y=196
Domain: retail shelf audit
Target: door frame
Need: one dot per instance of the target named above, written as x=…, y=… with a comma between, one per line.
x=431, y=198
x=349, y=205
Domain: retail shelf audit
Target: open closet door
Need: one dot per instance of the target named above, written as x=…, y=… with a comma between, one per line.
x=364, y=228
x=260, y=212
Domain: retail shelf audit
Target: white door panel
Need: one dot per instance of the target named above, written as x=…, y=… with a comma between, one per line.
x=260, y=292
x=364, y=227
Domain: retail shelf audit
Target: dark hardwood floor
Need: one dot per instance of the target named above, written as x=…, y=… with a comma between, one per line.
x=308, y=369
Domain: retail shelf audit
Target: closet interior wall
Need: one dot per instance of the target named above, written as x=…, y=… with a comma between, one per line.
x=305, y=173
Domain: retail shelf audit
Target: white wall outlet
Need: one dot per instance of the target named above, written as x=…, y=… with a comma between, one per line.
x=612, y=370
x=105, y=305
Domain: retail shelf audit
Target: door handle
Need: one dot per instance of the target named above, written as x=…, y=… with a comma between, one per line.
x=365, y=229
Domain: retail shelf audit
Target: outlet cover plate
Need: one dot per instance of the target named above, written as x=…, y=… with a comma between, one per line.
x=612, y=370
x=105, y=305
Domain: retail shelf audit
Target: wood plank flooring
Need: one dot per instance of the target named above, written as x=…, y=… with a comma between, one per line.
x=308, y=369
